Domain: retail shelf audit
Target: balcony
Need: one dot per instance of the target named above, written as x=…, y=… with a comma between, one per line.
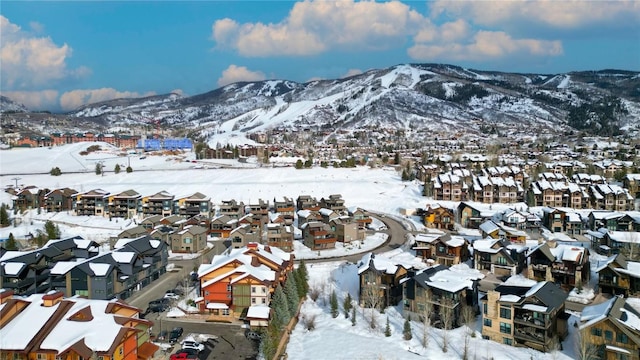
x=530, y=335
x=527, y=319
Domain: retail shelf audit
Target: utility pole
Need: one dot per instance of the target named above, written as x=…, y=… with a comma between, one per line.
x=16, y=180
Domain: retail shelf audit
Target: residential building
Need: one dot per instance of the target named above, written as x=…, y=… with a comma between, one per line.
x=618, y=276
x=29, y=197
x=243, y=235
x=92, y=203
x=454, y=287
x=449, y=187
x=439, y=217
x=499, y=257
x=318, y=236
x=222, y=226
x=231, y=208
x=306, y=202
x=567, y=265
x=286, y=207
x=241, y=278
x=280, y=235
x=124, y=204
x=379, y=281
x=334, y=202
x=610, y=330
x=72, y=328
x=59, y=200
x=362, y=217
x=346, y=229
x=195, y=204
x=190, y=239
x=525, y=316
x=160, y=203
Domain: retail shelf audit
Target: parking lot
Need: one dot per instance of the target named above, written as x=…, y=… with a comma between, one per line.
x=226, y=341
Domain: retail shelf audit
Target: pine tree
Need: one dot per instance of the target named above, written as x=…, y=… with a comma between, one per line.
x=387, y=328
x=353, y=316
x=129, y=169
x=4, y=216
x=98, y=168
x=52, y=230
x=11, y=243
x=281, y=313
x=347, y=305
x=291, y=290
x=302, y=279
x=406, y=331
x=269, y=345
x=116, y=169
x=334, y=304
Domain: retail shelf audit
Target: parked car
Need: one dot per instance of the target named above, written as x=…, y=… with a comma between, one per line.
x=175, y=334
x=183, y=355
x=189, y=344
x=176, y=291
x=171, y=295
x=252, y=335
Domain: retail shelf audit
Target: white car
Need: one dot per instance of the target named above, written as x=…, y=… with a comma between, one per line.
x=171, y=295
x=189, y=344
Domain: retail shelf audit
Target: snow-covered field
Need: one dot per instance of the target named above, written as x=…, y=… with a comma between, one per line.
x=374, y=189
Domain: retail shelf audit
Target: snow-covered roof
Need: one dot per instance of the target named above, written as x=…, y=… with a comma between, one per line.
x=455, y=278
x=258, y=312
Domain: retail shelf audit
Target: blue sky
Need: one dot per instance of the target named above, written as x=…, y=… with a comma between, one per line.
x=61, y=55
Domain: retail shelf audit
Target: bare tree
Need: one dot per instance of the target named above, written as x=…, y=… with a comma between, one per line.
x=468, y=316
x=371, y=299
x=585, y=349
x=446, y=318
x=427, y=312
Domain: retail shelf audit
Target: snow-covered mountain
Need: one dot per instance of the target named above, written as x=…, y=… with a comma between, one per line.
x=429, y=97
x=8, y=105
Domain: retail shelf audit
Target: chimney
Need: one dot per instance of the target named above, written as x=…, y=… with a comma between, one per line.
x=52, y=298
x=267, y=248
x=5, y=295
x=252, y=245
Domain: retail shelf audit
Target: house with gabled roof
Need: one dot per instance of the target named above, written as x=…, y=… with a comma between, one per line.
x=380, y=277
x=318, y=235
x=280, y=235
x=454, y=287
x=231, y=208
x=612, y=329
x=307, y=202
x=160, y=203
x=499, y=256
x=29, y=197
x=93, y=203
x=58, y=200
x=567, y=265
x=305, y=216
x=531, y=316
x=472, y=215
x=334, y=202
x=439, y=217
x=195, y=204
x=286, y=207
x=221, y=226
x=618, y=276
x=150, y=222
x=361, y=216
x=240, y=278
x=190, y=239
x=72, y=328
x=124, y=204
x=243, y=235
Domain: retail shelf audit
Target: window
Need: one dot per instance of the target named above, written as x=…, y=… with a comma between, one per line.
x=228, y=288
x=264, y=301
x=253, y=300
x=505, y=328
x=596, y=331
x=608, y=335
x=120, y=350
x=487, y=322
x=485, y=337
x=225, y=312
x=507, y=341
x=484, y=308
x=622, y=338
x=502, y=260
x=505, y=313
x=622, y=356
x=253, y=289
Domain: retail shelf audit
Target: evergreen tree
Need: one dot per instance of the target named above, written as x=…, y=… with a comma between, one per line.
x=117, y=169
x=269, y=344
x=4, y=216
x=129, y=169
x=11, y=243
x=334, y=304
x=291, y=290
x=387, y=328
x=299, y=164
x=396, y=159
x=281, y=313
x=52, y=230
x=302, y=279
x=98, y=168
x=353, y=316
x=347, y=305
x=406, y=331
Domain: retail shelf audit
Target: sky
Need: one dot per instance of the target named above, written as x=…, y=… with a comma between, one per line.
x=58, y=56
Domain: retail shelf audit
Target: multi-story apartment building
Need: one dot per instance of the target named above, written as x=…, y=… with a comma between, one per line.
x=59, y=200
x=160, y=203
x=124, y=204
x=92, y=203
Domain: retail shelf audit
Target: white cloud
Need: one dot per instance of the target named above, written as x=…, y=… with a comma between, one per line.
x=566, y=14
x=485, y=45
x=313, y=27
x=73, y=99
x=236, y=73
x=34, y=100
x=30, y=61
